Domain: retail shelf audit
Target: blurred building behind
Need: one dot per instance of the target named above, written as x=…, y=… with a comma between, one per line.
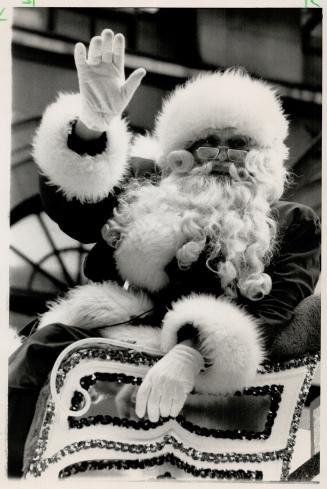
x=283, y=46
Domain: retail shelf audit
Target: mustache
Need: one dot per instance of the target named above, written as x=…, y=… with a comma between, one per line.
x=235, y=170
x=212, y=174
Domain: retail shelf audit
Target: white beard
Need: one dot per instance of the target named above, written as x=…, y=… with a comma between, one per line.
x=155, y=221
x=151, y=239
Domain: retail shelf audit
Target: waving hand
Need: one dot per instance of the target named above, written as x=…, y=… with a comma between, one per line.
x=104, y=91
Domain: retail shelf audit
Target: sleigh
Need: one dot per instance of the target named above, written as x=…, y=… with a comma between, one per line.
x=85, y=422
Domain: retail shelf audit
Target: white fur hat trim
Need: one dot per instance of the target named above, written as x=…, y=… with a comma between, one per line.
x=218, y=100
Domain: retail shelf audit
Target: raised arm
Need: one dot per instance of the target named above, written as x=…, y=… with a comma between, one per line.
x=82, y=144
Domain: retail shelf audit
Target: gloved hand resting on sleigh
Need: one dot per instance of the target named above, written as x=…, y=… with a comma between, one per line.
x=165, y=387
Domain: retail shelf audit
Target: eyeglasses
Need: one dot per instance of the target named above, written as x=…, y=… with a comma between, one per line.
x=205, y=153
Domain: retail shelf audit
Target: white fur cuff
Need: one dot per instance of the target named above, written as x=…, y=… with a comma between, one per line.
x=87, y=178
x=229, y=339
x=95, y=305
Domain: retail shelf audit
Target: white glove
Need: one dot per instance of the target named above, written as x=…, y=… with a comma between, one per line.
x=165, y=387
x=104, y=91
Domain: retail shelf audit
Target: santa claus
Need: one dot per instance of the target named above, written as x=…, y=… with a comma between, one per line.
x=195, y=252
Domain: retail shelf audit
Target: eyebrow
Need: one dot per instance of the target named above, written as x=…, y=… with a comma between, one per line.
x=193, y=145
x=201, y=141
x=218, y=138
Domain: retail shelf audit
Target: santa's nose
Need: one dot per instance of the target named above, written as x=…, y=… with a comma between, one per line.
x=222, y=155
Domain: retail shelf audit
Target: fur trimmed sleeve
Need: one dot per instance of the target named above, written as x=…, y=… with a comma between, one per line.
x=84, y=177
x=229, y=340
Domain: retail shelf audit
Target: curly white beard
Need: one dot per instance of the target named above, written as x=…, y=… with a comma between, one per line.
x=181, y=216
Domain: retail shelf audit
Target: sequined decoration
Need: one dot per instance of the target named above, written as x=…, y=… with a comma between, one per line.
x=141, y=358
x=38, y=464
x=122, y=356
x=303, y=361
x=86, y=382
x=84, y=466
x=296, y=420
